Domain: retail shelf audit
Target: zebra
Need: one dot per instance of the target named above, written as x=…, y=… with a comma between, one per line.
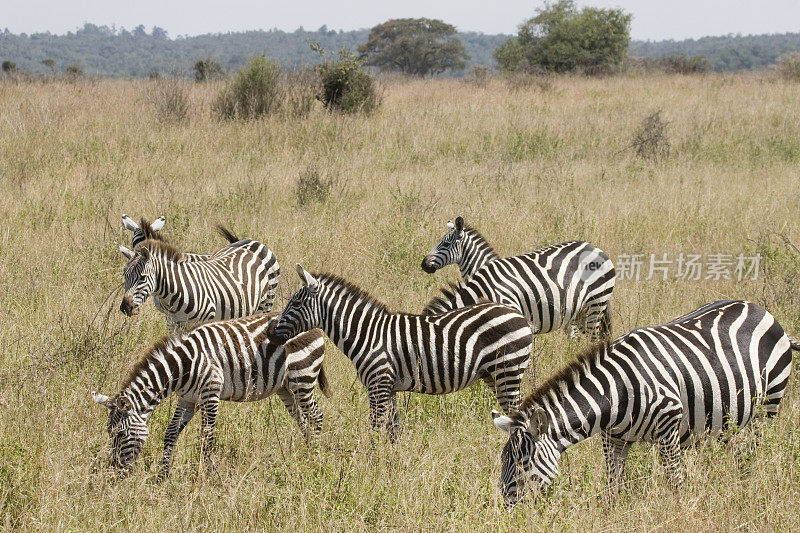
x=402, y=352
x=236, y=281
x=152, y=231
x=229, y=360
x=707, y=372
x=565, y=285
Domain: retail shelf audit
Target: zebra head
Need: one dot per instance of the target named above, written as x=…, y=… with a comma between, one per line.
x=449, y=248
x=139, y=279
x=126, y=427
x=301, y=313
x=530, y=457
x=139, y=235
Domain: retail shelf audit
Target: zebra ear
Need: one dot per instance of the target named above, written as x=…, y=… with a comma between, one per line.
x=538, y=423
x=102, y=399
x=158, y=223
x=126, y=252
x=501, y=421
x=129, y=223
x=459, y=224
x=144, y=251
x=308, y=280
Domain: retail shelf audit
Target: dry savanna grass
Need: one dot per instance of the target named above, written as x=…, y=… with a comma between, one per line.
x=528, y=164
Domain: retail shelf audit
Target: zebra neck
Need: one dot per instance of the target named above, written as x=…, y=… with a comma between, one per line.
x=577, y=400
x=150, y=382
x=352, y=321
x=477, y=252
x=166, y=273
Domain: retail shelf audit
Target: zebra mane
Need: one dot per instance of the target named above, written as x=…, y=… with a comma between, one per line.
x=338, y=282
x=162, y=248
x=147, y=357
x=447, y=296
x=149, y=233
x=565, y=373
x=480, y=236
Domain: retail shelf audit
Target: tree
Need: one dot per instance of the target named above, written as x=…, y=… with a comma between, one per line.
x=560, y=39
x=416, y=47
x=9, y=66
x=49, y=63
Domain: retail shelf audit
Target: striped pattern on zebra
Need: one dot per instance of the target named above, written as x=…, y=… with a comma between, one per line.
x=238, y=280
x=707, y=372
x=401, y=352
x=227, y=360
x=565, y=285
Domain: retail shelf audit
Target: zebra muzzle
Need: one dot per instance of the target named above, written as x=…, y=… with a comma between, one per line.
x=427, y=266
x=127, y=307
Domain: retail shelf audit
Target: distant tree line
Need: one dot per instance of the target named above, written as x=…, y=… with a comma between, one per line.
x=548, y=41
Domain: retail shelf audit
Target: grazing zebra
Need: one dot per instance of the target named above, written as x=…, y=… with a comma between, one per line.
x=228, y=360
x=401, y=352
x=236, y=281
x=709, y=371
x=563, y=285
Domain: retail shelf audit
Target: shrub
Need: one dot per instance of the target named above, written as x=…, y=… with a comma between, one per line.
x=650, y=140
x=481, y=75
x=788, y=66
x=74, y=71
x=170, y=98
x=253, y=92
x=683, y=64
x=312, y=186
x=9, y=67
x=346, y=86
x=207, y=69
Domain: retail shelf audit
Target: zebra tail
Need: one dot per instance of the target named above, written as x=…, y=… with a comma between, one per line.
x=795, y=343
x=322, y=381
x=225, y=232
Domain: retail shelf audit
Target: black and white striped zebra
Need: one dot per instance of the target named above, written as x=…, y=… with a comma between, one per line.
x=227, y=360
x=146, y=230
x=401, y=352
x=238, y=280
x=707, y=372
x=565, y=285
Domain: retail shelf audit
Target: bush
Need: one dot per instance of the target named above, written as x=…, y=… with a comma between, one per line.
x=683, y=64
x=788, y=66
x=481, y=75
x=9, y=67
x=207, y=69
x=170, y=98
x=312, y=187
x=650, y=140
x=346, y=86
x=74, y=71
x=253, y=93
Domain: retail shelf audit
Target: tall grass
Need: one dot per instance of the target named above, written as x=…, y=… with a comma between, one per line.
x=527, y=166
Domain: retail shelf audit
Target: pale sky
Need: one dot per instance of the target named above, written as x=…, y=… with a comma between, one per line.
x=655, y=20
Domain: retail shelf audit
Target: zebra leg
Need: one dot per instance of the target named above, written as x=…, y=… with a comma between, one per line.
x=669, y=448
x=183, y=414
x=290, y=400
x=393, y=419
x=615, y=452
x=209, y=404
x=383, y=409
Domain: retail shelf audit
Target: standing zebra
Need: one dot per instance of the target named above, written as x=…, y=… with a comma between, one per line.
x=713, y=369
x=565, y=285
x=153, y=231
x=228, y=360
x=401, y=352
x=236, y=281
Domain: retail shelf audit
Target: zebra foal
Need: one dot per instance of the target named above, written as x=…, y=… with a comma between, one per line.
x=565, y=285
x=227, y=360
x=238, y=280
x=713, y=369
x=401, y=352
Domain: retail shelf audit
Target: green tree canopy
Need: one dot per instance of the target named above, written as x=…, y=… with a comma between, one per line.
x=560, y=39
x=416, y=47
